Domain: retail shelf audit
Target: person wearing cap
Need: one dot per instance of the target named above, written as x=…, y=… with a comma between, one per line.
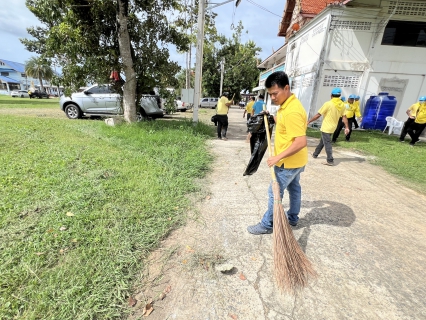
x=222, y=116
x=356, y=102
x=416, y=128
x=351, y=110
x=258, y=105
x=343, y=99
x=332, y=110
x=290, y=149
x=411, y=113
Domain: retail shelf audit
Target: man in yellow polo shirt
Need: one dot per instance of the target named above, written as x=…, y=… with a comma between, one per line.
x=291, y=153
x=411, y=113
x=249, y=108
x=419, y=124
x=331, y=111
x=222, y=116
x=352, y=110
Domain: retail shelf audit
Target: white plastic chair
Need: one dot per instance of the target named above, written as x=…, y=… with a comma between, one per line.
x=397, y=126
x=389, y=124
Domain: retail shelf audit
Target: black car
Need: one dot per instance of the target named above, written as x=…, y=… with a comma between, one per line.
x=39, y=94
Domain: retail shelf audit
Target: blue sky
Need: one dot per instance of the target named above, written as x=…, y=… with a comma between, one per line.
x=262, y=26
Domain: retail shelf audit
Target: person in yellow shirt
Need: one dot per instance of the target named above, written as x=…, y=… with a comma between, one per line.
x=356, y=102
x=222, y=116
x=291, y=153
x=331, y=111
x=351, y=110
x=249, y=108
x=419, y=124
x=411, y=113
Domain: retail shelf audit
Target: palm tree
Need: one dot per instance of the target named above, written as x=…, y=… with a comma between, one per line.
x=37, y=67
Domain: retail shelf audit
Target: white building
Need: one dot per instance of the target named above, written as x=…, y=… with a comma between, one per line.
x=13, y=77
x=362, y=46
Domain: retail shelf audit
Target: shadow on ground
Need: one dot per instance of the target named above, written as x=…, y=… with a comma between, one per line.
x=323, y=212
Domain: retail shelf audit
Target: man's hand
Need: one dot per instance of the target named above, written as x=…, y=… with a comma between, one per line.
x=273, y=160
x=346, y=131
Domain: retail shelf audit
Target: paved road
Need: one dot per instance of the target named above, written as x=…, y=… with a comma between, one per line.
x=363, y=230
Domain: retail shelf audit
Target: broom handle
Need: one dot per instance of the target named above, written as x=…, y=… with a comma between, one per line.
x=265, y=119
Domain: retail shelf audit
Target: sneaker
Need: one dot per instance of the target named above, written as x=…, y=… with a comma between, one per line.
x=401, y=140
x=293, y=224
x=225, y=138
x=329, y=163
x=314, y=156
x=258, y=229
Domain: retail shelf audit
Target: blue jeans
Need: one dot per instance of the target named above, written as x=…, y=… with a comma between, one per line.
x=287, y=179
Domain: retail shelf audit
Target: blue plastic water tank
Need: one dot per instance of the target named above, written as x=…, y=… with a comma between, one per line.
x=377, y=109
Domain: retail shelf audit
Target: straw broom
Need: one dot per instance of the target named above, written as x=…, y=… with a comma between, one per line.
x=292, y=268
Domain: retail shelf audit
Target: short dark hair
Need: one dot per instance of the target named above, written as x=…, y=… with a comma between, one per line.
x=261, y=96
x=335, y=95
x=253, y=98
x=278, y=78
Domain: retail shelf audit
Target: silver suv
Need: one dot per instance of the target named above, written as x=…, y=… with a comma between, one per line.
x=209, y=103
x=102, y=100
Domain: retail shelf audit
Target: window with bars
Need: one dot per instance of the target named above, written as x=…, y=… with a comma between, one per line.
x=341, y=81
x=352, y=25
x=407, y=8
x=405, y=33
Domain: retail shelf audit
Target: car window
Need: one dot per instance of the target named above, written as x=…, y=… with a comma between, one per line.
x=205, y=100
x=149, y=104
x=100, y=89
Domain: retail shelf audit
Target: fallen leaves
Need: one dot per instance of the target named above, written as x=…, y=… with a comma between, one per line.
x=189, y=249
x=208, y=198
x=242, y=276
x=70, y=214
x=149, y=307
x=40, y=253
x=233, y=316
x=63, y=228
x=132, y=301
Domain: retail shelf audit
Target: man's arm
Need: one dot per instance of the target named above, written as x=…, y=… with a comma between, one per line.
x=314, y=118
x=298, y=144
x=345, y=121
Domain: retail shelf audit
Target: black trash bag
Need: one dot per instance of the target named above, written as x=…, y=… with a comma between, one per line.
x=258, y=141
x=214, y=119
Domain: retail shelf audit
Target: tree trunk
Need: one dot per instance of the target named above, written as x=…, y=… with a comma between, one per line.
x=129, y=90
x=41, y=83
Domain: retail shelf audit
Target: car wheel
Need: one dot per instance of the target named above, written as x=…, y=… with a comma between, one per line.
x=73, y=111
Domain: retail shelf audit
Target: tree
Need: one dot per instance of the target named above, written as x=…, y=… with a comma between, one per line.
x=241, y=73
x=37, y=67
x=91, y=38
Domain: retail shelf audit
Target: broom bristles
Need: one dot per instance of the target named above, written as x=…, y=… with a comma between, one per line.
x=292, y=268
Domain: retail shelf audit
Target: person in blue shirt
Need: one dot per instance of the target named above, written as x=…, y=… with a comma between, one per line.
x=258, y=105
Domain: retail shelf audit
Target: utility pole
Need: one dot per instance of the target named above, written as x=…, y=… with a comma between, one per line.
x=222, y=70
x=199, y=59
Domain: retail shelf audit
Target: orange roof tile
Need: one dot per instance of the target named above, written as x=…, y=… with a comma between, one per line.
x=315, y=6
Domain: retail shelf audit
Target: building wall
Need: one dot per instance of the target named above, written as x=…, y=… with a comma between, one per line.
x=349, y=54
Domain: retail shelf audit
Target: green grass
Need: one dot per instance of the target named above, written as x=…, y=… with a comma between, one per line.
x=117, y=191
x=397, y=158
x=9, y=102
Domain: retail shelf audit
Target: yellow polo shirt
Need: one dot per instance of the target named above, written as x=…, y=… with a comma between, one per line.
x=249, y=106
x=331, y=111
x=352, y=109
x=291, y=123
x=421, y=114
x=221, y=106
x=413, y=109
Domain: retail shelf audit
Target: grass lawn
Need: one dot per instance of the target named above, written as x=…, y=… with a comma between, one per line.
x=82, y=204
x=408, y=163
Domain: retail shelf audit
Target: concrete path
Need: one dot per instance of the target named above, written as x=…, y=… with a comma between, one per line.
x=364, y=232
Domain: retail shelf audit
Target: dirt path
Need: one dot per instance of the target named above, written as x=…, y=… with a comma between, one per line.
x=364, y=231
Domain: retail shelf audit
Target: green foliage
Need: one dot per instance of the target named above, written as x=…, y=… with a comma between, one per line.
x=82, y=38
x=39, y=67
x=241, y=71
x=81, y=205
x=395, y=157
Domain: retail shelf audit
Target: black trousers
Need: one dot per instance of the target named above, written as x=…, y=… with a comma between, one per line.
x=222, y=125
x=405, y=128
x=415, y=131
x=339, y=128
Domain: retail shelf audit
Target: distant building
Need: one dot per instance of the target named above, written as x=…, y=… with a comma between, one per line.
x=13, y=77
